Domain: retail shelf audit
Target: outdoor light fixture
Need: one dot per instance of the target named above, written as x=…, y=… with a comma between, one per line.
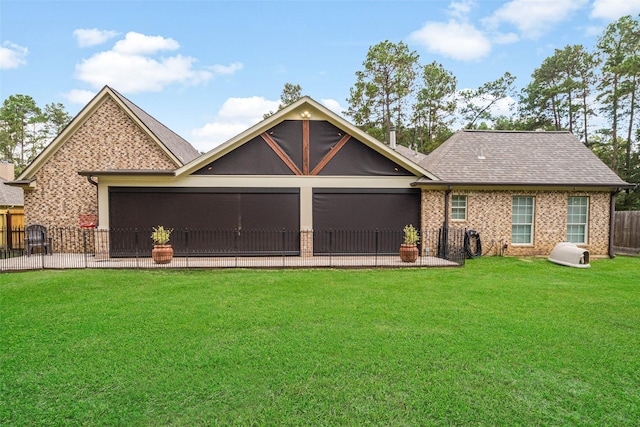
x=306, y=115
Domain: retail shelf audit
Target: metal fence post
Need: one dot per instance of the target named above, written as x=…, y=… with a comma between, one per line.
x=330, y=247
x=377, y=243
x=186, y=245
x=236, y=236
x=43, y=251
x=135, y=242
x=283, y=246
x=84, y=246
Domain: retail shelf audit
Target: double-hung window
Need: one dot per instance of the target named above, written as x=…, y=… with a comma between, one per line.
x=459, y=207
x=577, y=219
x=522, y=220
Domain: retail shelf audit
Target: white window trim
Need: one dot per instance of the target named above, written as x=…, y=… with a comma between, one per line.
x=533, y=221
x=466, y=207
x=586, y=224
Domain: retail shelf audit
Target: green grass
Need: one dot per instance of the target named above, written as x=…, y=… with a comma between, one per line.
x=503, y=341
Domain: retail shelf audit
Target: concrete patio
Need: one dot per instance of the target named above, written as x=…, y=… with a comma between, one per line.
x=73, y=261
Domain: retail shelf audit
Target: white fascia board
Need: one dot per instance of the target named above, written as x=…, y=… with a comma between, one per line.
x=258, y=181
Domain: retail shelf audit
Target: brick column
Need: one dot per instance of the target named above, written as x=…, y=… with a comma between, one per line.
x=306, y=243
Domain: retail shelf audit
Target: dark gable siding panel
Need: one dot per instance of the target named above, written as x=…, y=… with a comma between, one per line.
x=288, y=135
x=252, y=158
x=357, y=159
x=323, y=136
x=256, y=158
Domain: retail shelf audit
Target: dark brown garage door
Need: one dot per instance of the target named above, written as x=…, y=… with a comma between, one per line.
x=206, y=222
x=358, y=221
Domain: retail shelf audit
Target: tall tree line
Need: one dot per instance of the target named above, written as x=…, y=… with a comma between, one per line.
x=25, y=128
x=593, y=94
x=422, y=102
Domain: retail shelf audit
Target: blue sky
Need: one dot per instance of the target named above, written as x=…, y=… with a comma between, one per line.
x=210, y=69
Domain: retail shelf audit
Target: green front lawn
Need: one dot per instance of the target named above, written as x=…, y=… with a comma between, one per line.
x=502, y=341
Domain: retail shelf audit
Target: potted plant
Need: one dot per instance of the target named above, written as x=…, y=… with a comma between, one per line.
x=409, y=249
x=162, y=252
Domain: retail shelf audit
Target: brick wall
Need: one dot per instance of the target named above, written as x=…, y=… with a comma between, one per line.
x=306, y=243
x=489, y=213
x=108, y=139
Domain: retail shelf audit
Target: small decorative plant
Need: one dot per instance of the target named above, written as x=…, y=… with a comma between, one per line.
x=411, y=235
x=161, y=235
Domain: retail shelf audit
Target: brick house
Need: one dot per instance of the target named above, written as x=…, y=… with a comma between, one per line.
x=110, y=133
x=306, y=169
x=529, y=190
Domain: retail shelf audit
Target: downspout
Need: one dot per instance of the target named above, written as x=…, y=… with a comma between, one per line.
x=447, y=193
x=95, y=184
x=612, y=214
x=443, y=249
x=91, y=181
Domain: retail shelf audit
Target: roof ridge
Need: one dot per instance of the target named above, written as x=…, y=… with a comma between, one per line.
x=517, y=131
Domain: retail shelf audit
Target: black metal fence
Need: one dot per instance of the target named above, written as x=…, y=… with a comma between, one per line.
x=63, y=247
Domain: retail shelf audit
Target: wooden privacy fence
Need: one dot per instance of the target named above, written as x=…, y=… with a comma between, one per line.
x=11, y=222
x=626, y=235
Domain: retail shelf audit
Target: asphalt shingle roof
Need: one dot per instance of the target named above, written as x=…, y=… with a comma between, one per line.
x=518, y=157
x=10, y=196
x=180, y=148
x=413, y=155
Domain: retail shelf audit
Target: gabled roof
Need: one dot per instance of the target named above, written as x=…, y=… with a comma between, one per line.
x=411, y=154
x=306, y=108
x=10, y=196
x=177, y=148
x=479, y=157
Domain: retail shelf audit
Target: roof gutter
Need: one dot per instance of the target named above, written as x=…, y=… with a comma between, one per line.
x=128, y=172
x=25, y=184
x=450, y=184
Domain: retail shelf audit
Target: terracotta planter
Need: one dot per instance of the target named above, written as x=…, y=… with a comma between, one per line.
x=162, y=254
x=408, y=253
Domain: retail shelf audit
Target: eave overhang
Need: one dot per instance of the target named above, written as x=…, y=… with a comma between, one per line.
x=565, y=186
x=128, y=172
x=26, y=184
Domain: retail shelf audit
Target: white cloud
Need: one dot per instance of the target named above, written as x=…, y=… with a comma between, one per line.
x=247, y=109
x=77, y=96
x=135, y=73
x=593, y=31
x=505, y=38
x=235, y=116
x=12, y=55
x=140, y=44
x=93, y=36
x=333, y=105
x=133, y=65
x=461, y=9
x=227, y=69
x=501, y=107
x=614, y=9
x=533, y=17
x=457, y=40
